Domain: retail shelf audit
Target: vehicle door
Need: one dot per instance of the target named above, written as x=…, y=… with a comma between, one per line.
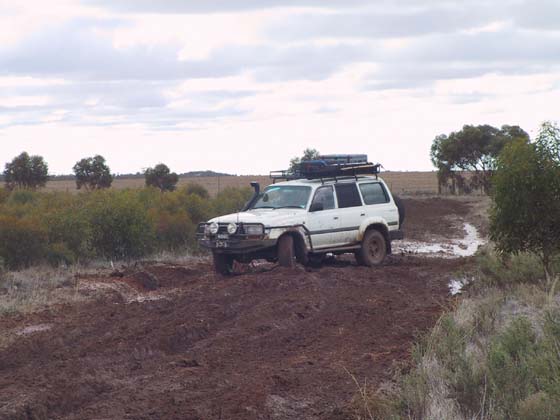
x=378, y=202
x=350, y=212
x=323, y=220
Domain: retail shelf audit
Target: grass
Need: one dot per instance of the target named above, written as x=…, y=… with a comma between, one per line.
x=33, y=288
x=496, y=355
x=38, y=287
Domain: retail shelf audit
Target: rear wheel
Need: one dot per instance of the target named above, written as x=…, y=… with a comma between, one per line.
x=373, y=250
x=223, y=264
x=286, y=251
x=400, y=206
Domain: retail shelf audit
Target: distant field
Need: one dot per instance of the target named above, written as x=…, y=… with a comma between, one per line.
x=399, y=182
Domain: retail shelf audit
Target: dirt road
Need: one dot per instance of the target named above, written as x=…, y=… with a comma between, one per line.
x=174, y=342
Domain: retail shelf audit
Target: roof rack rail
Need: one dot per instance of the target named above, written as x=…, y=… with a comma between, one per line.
x=329, y=166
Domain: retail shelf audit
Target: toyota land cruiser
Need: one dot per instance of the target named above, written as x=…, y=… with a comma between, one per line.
x=336, y=204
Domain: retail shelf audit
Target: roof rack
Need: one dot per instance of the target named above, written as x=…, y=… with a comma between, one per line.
x=329, y=166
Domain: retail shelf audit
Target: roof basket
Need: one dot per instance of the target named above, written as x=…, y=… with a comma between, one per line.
x=330, y=166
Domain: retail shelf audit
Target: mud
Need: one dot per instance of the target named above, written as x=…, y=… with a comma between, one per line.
x=163, y=341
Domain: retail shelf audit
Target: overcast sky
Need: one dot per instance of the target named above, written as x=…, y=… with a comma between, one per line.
x=242, y=86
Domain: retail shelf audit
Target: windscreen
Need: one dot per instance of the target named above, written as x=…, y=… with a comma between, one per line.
x=283, y=196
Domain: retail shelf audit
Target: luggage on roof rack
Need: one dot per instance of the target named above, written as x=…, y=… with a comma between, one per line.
x=330, y=166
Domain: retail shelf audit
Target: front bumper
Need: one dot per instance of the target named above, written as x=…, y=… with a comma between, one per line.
x=234, y=245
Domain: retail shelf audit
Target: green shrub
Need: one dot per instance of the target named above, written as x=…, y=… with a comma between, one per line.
x=120, y=226
x=510, y=375
x=4, y=195
x=22, y=197
x=231, y=200
x=508, y=270
x=193, y=188
x=174, y=231
x=22, y=242
x=58, y=254
x=69, y=226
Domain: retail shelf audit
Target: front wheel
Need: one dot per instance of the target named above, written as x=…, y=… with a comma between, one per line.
x=286, y=252
x=223, y=264
x=373, y=250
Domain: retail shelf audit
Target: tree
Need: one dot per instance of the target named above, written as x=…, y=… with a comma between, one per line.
x=474, y=150
x=525, y=215
x=26, y=171
x=308, y=154
x=93, y=173
x=161, y=177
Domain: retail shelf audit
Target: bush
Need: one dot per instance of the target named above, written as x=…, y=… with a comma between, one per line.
x=174, y=230
x=58, y=254
x=69, y=227
x=22, y=242
x=197, y=189
x=508, y=270
x=120, y=226
x=231, y=200
x=4, y=195
x=66, y=227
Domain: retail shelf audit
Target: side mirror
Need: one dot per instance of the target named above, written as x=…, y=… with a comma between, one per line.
x=318, y=206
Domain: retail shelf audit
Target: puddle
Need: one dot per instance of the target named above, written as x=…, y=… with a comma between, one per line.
x=455, y=248
x=456, y=285
x=34, y=328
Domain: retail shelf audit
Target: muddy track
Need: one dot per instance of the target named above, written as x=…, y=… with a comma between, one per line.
x=175, y=342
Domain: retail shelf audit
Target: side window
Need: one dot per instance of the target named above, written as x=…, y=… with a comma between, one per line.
x=374, y=193
x=348, y=195
x=324, y=195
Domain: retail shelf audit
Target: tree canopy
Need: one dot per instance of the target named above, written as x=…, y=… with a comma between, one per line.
x=308, y=154
x=26, y=171
x=93, y=173
x=161, y=177
x=525, y=216
x=473, y=150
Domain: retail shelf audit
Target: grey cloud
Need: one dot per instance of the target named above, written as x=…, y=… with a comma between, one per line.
x=381, y=24
x=486, y=47
x=209, y=6
x=426, y=60
x=538, y=14
x=76, y=52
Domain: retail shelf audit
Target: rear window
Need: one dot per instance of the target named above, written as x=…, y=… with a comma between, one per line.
x=374, y=193
x=347, y=195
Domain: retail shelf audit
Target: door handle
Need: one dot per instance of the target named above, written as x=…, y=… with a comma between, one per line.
x=362, y=214
x=335, y=218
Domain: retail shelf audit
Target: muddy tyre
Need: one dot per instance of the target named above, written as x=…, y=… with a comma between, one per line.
x=286, y=252
x=223, y=264
x=358, y=256
x=373, y=250
x=400, y=206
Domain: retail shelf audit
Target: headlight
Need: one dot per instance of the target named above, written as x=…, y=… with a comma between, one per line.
x=213, y=229
x=231, y=228
x=254, y=229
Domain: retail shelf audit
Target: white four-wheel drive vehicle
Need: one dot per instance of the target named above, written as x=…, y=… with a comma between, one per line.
x=336, y=204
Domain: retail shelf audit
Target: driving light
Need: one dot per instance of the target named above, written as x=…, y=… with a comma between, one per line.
x=213, y=228
x=254, y=229
x=231, y=228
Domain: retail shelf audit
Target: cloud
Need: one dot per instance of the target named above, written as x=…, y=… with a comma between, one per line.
x=211, y=6
x=426, y=60
x=381, y=23
x=538, y=14
x=75, y=51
